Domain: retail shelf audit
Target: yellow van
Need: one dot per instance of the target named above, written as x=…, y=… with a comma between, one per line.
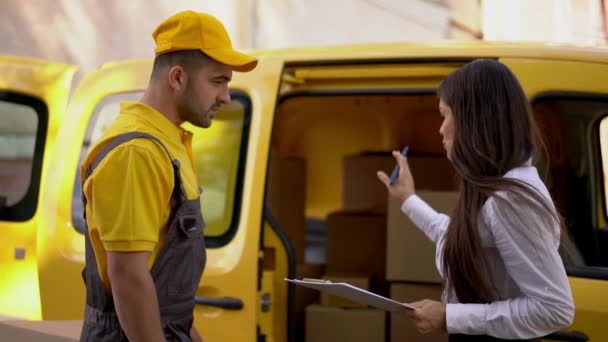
x=274, y=168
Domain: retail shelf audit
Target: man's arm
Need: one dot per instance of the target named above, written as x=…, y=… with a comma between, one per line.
x=135, y=295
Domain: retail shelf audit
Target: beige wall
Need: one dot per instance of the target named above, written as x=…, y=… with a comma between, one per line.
x=91, y=32
x=284, y=23
x=559, y=21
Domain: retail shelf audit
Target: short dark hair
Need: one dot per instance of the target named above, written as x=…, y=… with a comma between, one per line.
x=191, y=60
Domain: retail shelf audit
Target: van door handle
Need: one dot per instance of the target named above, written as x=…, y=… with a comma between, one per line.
x=226, y=303
x=573, y=336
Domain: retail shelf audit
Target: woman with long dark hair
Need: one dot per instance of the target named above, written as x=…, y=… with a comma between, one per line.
x=498, y=251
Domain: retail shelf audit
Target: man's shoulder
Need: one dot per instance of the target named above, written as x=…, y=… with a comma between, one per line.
x=141, y=145
x=138, y=149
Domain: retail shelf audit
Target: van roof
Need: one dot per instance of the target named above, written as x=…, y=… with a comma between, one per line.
x=440, y=50
x=420, y=51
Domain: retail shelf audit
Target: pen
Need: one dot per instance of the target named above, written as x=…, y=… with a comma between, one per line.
x=395, y=173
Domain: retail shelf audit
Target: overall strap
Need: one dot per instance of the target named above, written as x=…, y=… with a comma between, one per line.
x=123, y=138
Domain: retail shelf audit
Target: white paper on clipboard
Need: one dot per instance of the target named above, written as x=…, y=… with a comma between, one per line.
x=353, y=293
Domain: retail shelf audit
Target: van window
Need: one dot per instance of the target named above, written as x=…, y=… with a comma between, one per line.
x=219, y=153
x=574, y=132
x=23, y=124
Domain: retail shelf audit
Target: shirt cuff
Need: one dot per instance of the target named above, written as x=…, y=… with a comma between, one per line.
x=411, y=203
x=129, y=246
x=467, y=319
x=417, y=210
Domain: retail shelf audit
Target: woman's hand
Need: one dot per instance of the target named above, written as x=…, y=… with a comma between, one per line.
x=429, y=316
x=404, y=186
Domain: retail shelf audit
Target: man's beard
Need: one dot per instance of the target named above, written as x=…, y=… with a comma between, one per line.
x=188, y=110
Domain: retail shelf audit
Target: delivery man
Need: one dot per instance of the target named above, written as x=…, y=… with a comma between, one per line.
x=145, y=250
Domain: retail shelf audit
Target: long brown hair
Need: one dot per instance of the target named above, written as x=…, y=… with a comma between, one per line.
x=494, y=133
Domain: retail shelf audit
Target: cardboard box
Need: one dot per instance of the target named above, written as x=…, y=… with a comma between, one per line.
x=410, y=255
x=305, y=296
x=401, y=327
x=356, y=243
x=40, y=331
x=360, y=281
x=331, y=324
x=363, y=191
x=286, y=200
x=433, y=173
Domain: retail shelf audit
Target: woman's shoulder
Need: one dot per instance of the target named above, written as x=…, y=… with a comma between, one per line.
x=528, y=175
x=508, y=208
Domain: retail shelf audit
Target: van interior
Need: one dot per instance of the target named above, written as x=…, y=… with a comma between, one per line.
x=333, y=130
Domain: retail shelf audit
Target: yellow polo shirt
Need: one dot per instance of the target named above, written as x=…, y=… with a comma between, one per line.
x=129, y=193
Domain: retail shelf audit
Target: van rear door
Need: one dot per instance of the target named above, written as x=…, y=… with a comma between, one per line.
x=230, y=159
x=33, y=94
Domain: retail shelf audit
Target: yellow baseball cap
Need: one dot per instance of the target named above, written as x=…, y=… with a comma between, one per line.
x=189, y=30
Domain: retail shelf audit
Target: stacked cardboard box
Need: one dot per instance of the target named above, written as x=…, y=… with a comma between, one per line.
x=410, y=254
x=432, y=173
x=332, y=324
x=410, y=261
x=305, y=296
x=355, y=244
x=363, y=191
x=372, y=242
x=403, y=328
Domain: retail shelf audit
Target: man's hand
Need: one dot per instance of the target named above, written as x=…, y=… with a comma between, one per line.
x=135, y=296
x=429, y=316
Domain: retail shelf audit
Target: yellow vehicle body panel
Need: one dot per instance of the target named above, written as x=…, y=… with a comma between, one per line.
x=61, y=247
x=50, y=83
x=231, y=270
x=55, y=249
x=442, y=50
x=591, y=307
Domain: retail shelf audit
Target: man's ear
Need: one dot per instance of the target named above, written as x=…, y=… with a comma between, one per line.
x=177, y=78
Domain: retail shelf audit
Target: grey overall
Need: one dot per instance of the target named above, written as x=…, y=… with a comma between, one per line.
x=176, y=271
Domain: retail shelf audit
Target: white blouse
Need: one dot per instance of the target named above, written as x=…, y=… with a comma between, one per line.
x=534, y=296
